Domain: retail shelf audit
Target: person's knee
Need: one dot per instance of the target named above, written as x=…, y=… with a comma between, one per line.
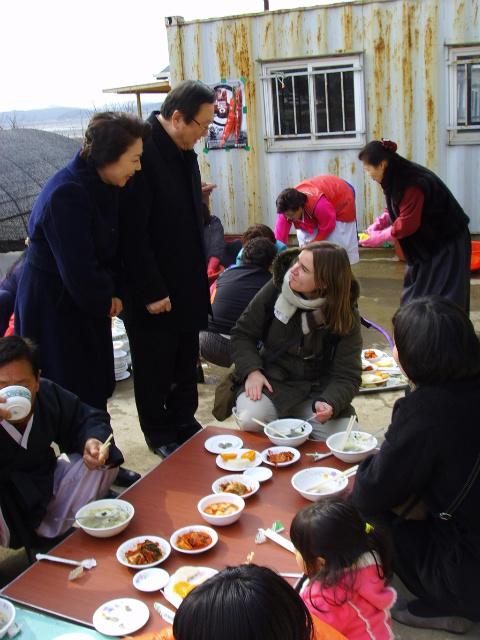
x=246, y=409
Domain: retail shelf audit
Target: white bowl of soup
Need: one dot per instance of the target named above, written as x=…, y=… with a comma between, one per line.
x=358, y=446
x=105, y=518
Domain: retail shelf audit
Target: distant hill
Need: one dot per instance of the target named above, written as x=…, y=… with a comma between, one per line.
x=68, y=121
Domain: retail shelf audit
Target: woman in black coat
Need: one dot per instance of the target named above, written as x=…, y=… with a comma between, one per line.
x=426, y=220
x=423, y=483
x=69, y=288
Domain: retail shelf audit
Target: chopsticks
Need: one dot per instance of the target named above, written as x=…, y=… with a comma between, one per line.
x=347, y=432
x=345, y=474
x=105, y=444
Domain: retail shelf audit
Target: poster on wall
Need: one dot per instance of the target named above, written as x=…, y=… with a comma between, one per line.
x=229, y=127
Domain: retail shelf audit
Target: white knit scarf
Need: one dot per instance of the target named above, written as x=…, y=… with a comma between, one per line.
x=288, y=302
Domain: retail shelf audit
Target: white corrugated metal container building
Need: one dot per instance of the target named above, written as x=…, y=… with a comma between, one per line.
x=320, y=82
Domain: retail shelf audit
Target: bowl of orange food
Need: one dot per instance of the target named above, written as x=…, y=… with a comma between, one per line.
x=220, y=510
x=143, y=552
x=195, y=538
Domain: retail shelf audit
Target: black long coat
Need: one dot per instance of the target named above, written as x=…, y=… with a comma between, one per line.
x=70, y=275
x=161, y=235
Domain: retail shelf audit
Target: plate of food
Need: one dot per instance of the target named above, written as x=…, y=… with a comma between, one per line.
x=223, y=444
x=184, y=580
x=377, y=379
x=280, y=456
x=372, y=355
x=120, y=617
x=368, y=367
x=143, y=552
x=239, y=485
x=195, y=538
x=388, y=365
x=239, y=460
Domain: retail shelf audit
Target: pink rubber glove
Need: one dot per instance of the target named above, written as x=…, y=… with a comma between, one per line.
x=212, y=265
x=377, y=238
x=380, y=223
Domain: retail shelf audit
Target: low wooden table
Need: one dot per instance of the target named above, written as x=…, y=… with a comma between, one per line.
x=166, y=499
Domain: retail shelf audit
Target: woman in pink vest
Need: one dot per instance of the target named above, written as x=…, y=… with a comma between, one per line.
x=321, y=208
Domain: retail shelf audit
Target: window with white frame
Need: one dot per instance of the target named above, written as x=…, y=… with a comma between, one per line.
x=314, y=103
x=464, y=95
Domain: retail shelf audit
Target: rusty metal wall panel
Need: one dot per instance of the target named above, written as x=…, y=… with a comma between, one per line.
x=404, y=46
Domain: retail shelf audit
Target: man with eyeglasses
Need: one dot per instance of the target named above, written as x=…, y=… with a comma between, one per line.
x=161, y=236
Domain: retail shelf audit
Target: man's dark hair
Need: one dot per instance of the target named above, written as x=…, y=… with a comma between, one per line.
x=290, y=199
x=109, y=134
x=187, y=97
x=259, y=251
x=13, y=348
x=258, y=231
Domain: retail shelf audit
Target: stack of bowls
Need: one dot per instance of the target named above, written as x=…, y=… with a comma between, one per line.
x=121, y=350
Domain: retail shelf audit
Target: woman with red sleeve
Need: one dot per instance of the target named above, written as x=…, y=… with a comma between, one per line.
x=320, y=208
x=429, y=224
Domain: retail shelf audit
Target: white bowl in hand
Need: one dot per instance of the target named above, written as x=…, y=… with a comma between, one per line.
x=19, y=401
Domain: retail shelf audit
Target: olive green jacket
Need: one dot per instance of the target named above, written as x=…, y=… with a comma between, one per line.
x=319, y=365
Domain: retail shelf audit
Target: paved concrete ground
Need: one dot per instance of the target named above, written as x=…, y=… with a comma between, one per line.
x=380, y=274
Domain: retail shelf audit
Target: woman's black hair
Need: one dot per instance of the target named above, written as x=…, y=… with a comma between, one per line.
x=435, y=341
x=289, y=200
x=247, y=602
x=259, y=251
x=335, y=531
x=109, y=134
x=187, y=97
x=14, y=348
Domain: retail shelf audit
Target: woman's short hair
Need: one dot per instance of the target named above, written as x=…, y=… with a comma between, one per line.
x=14, y=348
x=247, y=602
x=333, y=278
x=258, y=231
x=290, y=199
x=109, y=134
x=435, y=341
x=259, y=251
x=187, y=97
x=374, y=152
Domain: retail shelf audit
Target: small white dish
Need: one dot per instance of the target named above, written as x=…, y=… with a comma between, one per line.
x=221, y=519
x=193, y=528
x=131, y=545
x=223, y=444
x=262, y=474
x=378, y=354
x=251, y=485
x=368, y=367
x=152, y=579
x=238, y=464
x=120, y=617
x=266, y=452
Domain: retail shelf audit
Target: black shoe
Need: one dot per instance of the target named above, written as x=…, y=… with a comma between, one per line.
x=200, y=375
x=165, y=450
x=110, y=495
x=126, y=478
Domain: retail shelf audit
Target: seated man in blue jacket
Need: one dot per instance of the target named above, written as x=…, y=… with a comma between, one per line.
x=38, y=490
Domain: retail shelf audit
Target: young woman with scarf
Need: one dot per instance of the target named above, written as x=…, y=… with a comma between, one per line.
x=310, y=307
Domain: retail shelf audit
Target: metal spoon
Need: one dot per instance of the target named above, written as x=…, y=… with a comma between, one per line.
x=319, y=456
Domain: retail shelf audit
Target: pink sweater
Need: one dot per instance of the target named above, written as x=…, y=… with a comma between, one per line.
x=366, y=614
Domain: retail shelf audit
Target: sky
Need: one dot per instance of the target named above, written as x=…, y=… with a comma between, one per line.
x=64, y=53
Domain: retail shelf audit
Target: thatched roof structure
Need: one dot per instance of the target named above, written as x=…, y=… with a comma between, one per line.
x=28, y=158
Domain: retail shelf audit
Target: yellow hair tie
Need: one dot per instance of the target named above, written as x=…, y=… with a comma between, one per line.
x=368, y=527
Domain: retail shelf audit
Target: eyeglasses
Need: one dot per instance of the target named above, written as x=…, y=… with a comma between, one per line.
x=201, y=125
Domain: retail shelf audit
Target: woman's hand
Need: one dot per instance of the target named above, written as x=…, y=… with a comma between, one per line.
x=254, y=384
x=160, y=306
x=323, y=411
x=116, y=307
x=92, y=457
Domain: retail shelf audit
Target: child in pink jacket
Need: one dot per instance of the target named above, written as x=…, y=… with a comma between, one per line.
x=347, y=565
